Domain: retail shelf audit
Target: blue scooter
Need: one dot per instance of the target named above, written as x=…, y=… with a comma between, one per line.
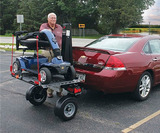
x=37, y=63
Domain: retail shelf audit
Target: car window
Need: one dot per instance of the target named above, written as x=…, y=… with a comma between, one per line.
x=113, y=44
x=147, y=49
x=155, y=46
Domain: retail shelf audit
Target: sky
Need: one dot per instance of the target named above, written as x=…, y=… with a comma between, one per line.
x=152, y=15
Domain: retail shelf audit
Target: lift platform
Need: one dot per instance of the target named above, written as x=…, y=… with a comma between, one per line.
x=66, y=106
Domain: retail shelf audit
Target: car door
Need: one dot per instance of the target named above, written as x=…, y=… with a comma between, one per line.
x=155, y=52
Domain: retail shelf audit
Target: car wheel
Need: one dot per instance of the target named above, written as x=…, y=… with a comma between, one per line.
x=71, y=73
x=16, y=67
x=66, y=108
x=36, y=95
x=144, y=87
x=46, y=75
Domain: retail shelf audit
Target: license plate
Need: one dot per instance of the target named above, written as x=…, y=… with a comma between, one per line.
x=81, y=77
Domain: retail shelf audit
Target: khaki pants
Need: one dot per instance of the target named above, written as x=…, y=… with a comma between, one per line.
x=50, y=91
x=48, y=54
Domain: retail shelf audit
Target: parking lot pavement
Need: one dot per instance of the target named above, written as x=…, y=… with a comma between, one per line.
x=111, y=113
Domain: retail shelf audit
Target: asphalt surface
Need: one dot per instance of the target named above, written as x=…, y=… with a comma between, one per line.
x=97, y=113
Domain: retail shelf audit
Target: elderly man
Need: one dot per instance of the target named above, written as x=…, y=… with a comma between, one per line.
x=56, y=29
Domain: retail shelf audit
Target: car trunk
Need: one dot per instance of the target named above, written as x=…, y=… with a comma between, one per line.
x=90, y=59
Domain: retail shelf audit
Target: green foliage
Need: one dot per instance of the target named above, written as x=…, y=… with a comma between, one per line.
x=32, y=11
x=35, y=13
x=78, y=12
x=7, y=15
x=117, y=14
x=106, y=16
x=73, y=11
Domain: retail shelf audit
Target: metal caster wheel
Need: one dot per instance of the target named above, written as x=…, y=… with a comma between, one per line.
x=66, y=108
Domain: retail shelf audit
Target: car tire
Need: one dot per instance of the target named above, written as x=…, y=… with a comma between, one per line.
x=66, y=108
x=71, y=73
x=16, y=67
x=144, y=87
x=36, y=95
x=46, y=75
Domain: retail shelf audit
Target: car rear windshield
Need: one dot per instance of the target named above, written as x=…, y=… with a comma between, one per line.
x=113, y=43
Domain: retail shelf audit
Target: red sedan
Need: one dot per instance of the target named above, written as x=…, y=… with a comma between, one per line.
x=120, y=63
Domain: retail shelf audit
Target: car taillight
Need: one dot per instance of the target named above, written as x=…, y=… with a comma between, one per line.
x=115, y=64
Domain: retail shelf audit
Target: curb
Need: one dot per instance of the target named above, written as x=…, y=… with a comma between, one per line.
x=2, y=50
x=16, y=52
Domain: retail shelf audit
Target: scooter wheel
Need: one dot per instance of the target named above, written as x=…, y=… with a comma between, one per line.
x=36, y=95
x=66, y=108
x=16, y=66
x=46, y=75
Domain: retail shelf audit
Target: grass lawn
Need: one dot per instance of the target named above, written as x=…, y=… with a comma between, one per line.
x=7, y=49
x=10, y=44
x=8, y=35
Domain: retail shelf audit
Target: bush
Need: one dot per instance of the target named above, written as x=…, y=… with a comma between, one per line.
x=8, y=32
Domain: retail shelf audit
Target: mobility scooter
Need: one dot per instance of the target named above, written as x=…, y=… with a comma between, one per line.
x=46, y=40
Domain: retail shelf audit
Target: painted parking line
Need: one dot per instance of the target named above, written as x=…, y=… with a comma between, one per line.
x=139, y=123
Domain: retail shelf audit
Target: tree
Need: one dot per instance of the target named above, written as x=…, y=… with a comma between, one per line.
x=106, y=16
x=35, y=13
x=72, y=11
x=78, y=11
x=32, y=11
x=7, y=15
x=48, y=6
x=117, y=14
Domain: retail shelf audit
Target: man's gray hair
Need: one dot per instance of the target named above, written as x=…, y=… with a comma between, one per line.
x=52, y=14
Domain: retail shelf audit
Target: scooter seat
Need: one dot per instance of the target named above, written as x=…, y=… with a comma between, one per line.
x=32, y=44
